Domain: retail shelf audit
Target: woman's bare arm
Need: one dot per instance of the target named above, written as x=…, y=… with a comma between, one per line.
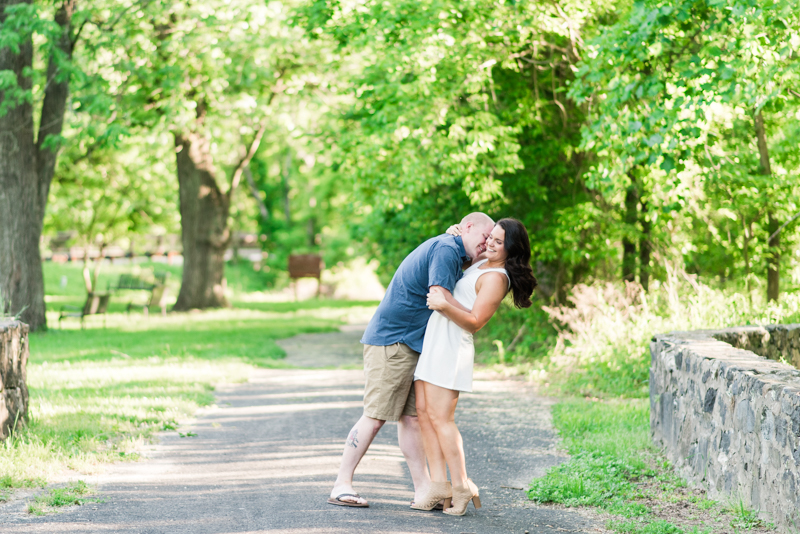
x=491, y=289
x=451, y=299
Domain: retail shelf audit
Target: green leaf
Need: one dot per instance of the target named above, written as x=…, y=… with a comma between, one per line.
x=668, y=165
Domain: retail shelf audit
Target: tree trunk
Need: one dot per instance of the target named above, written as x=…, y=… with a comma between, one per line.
x=53, y=106
x=644, y=248
x=26, y=171
x=204, y=225
x=85, y=271
x=560, y=285
x=746, y=252
x=312, y=232
x=21, y=280
x=773, y=259
x=287, y=213
x=628, y=242
x=97, y=265
x=579, y=271
x=774, y=253
x=262, y=208
x=14, y=353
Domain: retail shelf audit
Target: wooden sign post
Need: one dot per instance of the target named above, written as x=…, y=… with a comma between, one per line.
x=306, y=266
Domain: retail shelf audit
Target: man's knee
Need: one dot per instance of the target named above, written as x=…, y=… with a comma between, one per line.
x=409, y=421
x=373, y=424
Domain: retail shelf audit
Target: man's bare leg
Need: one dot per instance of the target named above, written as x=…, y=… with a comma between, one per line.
x=409, y=437
x=358, y=441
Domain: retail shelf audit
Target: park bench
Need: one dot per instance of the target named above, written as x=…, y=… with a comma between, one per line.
x=96, y=304
x=158, y=290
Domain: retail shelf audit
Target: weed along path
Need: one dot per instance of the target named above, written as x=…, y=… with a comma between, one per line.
x=264, y=458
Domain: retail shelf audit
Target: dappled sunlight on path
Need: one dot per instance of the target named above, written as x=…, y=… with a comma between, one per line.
x=265, y=456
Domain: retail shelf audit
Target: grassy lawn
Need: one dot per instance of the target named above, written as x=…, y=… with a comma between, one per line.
x=613, y=466
x=594, y=354
x=64, y=283
x=98, y=394
x=66, y=279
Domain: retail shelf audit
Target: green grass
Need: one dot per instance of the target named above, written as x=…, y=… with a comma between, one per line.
x=65, y=287
x=614, y=467
x=8, y=483
x=303, y=305
x=98, y=394
x=242, y=278
x=606, y=441
x=743, y=517
x=618, y=428
x=601, y=355
x=75, y=494
x=219, y=334
x=637, y=526
x=66, y=279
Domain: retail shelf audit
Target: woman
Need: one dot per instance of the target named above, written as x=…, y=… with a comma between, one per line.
x=445, y=364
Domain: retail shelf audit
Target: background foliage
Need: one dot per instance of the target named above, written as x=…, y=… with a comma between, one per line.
x=649, y=147
x=635, y=140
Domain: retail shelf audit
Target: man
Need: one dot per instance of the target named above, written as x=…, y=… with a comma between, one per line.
x=392, y=343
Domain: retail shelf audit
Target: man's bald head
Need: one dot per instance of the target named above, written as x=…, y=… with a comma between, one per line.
x=478, y=218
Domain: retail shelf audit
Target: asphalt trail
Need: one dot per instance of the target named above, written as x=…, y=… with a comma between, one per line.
x=265, y=457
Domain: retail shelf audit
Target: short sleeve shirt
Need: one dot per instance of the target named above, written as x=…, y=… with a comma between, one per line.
x=402, y=315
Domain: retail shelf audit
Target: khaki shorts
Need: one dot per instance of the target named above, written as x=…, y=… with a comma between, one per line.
x=389, y=387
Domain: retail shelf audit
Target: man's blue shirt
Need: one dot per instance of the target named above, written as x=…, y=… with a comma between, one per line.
x=403, y=313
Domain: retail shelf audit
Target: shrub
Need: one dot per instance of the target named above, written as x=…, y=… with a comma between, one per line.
x=598, y=343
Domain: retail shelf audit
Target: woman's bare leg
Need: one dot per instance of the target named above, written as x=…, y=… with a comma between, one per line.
x=441, y=409
x=436, y=461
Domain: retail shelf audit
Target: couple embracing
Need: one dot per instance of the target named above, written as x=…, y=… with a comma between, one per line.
x=416, y=361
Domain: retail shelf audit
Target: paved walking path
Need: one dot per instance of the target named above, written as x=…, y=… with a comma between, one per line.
x=264, y=460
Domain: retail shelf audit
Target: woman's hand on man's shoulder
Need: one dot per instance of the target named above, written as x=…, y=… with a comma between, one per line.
x=454, y=230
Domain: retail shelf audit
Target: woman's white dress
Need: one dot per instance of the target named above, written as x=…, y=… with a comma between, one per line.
x=447, y=350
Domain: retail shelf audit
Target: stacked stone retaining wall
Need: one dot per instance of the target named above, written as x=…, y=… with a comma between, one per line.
x=779, y=342
x=728, y=418
x=13, y=389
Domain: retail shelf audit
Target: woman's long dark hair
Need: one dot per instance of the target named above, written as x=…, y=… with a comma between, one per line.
x=518, y=262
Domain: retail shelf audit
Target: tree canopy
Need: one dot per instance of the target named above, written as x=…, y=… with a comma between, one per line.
x=629, y=137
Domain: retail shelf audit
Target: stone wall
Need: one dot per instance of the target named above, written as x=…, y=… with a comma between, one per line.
x=779, y=342
x=13, y=362
x=730, y=419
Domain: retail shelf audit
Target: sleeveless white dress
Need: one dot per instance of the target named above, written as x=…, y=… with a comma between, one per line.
x=447, y=349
